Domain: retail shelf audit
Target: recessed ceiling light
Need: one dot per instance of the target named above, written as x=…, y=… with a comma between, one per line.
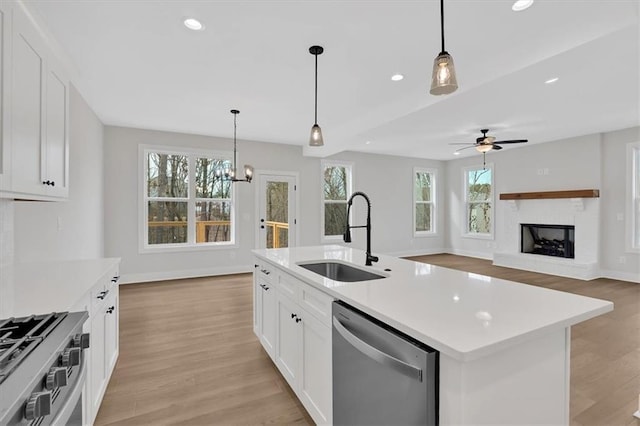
x=521, y=5
x=367, y=143
x=397, y=77
x=552, y=80
x=193, y=24
x=456, y=153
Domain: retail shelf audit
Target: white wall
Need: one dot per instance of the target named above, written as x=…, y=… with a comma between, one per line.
x=614, y=179
x=71, y=229
x=387, y=180
x=586, y=162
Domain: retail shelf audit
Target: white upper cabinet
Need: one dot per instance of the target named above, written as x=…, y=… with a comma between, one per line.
x=35, y=137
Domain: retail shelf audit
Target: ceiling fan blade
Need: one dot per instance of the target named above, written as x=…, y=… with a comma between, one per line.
x=466, y=147
x=513, y=141
x=496, y=147
x=461, y=143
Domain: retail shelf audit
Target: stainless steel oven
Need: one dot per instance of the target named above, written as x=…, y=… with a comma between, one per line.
x=43, y=369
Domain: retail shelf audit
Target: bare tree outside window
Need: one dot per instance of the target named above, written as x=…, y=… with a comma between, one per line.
x=277, y=214
x=170, y=196
x=479, y=204
x=424, y=201
x=335, y=193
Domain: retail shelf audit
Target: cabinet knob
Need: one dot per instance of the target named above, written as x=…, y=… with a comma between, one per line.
x=293, y=316
x=81, y=340
x=71, y=357
x=53, y=183
x=57, y=377
x=38, y=405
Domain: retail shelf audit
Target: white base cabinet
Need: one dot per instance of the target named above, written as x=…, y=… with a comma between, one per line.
x=301, y=345
x=103, y=326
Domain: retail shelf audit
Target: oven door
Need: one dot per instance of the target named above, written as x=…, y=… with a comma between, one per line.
x=70, y=413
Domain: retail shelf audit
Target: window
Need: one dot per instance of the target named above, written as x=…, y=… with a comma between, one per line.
x=336, y=190
x=479, y=201
x=633, y=223
x=185, y=203
x=424, y=190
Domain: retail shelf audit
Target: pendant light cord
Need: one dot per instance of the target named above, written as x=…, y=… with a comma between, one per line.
x=442, y=23
x=315, y=122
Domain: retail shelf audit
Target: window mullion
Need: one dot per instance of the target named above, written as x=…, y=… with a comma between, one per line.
x=191, y=204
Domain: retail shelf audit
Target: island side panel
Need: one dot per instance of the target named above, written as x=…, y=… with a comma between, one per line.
x=521, y=385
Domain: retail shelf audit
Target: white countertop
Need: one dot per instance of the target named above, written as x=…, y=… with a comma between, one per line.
x=463, y=315
x=37, y=288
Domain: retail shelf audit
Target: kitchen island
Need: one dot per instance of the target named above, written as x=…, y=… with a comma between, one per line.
x=504, y=346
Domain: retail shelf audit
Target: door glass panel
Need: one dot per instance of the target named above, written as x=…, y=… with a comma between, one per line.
x=277, y=222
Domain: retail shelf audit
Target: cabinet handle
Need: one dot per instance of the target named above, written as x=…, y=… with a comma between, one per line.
x=111, y=309
x=115, y=279
x=298, y=320
x=264, y=287
x=48, y=182
x=255, y=266
x=265, y=271
x=53, y=183
x=293, y=316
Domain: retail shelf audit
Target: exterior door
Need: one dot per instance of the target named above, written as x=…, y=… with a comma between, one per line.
x=276, y=211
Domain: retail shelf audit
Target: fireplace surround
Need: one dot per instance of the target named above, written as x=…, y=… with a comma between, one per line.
x=548, y=240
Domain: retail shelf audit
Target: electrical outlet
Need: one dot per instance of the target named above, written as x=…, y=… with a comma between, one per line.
x=622, y=260
x=540, y=172
x=545, y=172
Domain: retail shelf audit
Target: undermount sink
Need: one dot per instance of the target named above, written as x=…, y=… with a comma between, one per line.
x=340, y=272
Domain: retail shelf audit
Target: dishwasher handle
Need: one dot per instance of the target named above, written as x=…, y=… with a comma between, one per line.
x=377, y=355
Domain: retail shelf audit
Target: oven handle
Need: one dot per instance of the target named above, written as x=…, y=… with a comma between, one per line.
x=72, y=398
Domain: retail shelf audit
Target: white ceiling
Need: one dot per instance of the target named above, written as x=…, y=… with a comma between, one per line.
x=139, y=66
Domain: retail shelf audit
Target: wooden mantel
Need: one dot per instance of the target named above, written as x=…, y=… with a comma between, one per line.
x=578, y=193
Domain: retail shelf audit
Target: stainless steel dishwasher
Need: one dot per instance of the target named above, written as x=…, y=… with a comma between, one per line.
x=380, y=376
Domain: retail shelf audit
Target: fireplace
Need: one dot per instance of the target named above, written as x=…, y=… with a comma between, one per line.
x=547, y=240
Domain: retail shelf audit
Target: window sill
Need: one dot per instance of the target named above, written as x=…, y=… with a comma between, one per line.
x=186, y=248
x=425, y=234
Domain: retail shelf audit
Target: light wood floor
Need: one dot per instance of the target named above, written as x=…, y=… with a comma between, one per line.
x=188, y=354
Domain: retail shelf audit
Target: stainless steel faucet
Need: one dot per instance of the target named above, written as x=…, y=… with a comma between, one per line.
x=347, y=232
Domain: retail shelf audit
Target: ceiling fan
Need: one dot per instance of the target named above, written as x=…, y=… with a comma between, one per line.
x=486, y=143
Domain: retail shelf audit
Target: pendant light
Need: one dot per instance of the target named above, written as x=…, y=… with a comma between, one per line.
x=443, y=80
x=316, y=131
x=230, y=174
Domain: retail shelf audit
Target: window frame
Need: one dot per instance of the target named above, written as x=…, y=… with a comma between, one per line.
x=632, y=222
x=434, y=193
x=491, y=202
x=349, y=166
x=143, y=198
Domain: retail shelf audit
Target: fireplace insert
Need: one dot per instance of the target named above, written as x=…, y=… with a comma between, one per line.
x=547, y=240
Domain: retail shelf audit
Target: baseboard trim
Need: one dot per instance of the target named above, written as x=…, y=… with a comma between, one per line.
x=188, y=273
x=619, y=275
x=420, y=252
x=479, y=255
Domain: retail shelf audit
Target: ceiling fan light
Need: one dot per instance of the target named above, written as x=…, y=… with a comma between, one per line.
x=316, y=136
x=485, y=147
x=443, y=80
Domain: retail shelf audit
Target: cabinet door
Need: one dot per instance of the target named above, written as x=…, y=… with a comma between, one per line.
x=97, y=359
x=257, y=303
x=288, y=341
x=268, y=319
x=315, y=383
x=27, y=126
x=57, y=131
x=111, y=333
x=5, y=82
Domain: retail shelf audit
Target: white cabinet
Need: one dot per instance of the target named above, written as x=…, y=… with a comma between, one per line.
x=35, y=136
x=264, y=308
x=301, y=316
x=104, y=349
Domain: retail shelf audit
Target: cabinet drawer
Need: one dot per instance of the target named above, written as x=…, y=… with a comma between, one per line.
x=289, y=286
x=265, y=272
x=316, y=303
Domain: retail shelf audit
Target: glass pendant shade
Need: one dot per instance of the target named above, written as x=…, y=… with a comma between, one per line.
x=484, y=147
x=316, y=136
x=443, y=80
x=248, y=172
